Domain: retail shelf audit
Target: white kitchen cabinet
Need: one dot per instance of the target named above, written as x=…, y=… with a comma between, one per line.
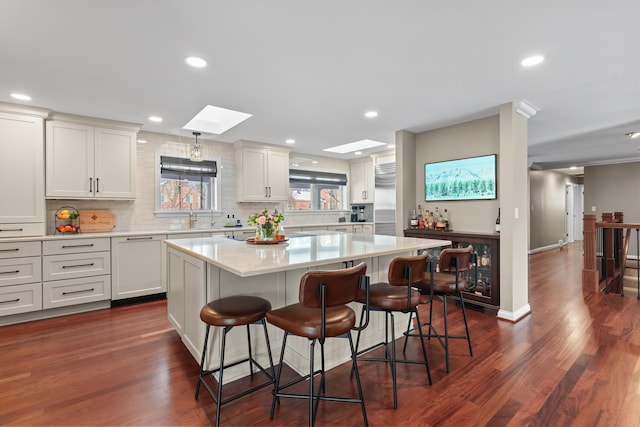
x=84, y=161
x=263, y=174
x=75, y=271
x=138, y=266
x=345, y=228
x=363, y=229
x=361, y=181
x=22, y=211
x=20, y=277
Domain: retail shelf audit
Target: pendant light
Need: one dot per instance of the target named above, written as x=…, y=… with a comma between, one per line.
x=196, y=151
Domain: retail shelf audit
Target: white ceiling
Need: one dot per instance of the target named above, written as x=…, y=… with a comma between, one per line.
x=309, y=70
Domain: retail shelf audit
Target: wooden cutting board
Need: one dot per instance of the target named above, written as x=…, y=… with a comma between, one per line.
x=96, y=220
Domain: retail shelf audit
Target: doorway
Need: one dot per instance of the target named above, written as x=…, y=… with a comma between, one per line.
x=575, y=209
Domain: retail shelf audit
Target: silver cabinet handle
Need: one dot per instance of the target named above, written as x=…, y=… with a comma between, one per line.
x=10, y=250
x=78, y=292
x=140, y=238
x=269, y=191
x=77, y=246
x=97, y=185
x=10, y=229
x=90, y=185
x=10, y=272
x=79, y=265
x=266, y=192
x=10, y=301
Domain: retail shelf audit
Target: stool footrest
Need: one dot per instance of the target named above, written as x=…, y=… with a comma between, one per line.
x=243, y=393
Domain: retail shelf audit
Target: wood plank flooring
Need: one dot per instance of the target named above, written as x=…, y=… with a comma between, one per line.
x=575, y=361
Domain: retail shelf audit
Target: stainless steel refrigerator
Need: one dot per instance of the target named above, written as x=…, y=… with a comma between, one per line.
x=385, y=199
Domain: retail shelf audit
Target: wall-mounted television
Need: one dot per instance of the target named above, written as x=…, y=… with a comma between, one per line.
x=473, y=178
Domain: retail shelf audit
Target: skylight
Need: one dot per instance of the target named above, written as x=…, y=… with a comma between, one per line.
x=216, y=120
x=354, y=146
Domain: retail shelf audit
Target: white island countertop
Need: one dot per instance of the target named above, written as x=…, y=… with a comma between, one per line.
x=301, y=250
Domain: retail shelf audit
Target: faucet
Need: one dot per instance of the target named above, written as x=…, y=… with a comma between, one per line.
x=212, y=221
x=193, y=218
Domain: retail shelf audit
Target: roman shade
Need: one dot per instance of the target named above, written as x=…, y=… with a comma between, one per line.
x=177, y=168
x=314, y=177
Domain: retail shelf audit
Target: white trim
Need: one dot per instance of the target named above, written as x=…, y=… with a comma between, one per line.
x=546, y=248
x=516, y=315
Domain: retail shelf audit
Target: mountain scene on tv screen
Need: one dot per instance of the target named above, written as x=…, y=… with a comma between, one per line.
x=461, y=183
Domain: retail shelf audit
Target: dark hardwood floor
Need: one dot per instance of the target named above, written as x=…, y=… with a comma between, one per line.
x=574, y=361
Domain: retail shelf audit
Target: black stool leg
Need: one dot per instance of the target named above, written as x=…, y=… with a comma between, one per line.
x=466, y=326
x=424, y=350
x=276, y=387
x=406, y=335
x=250, y=353
x=446, y=333
x=311, y=398
x=354, y=368
x=204, y=351
x=393, y=361
x=266, y=337
x=219, y=400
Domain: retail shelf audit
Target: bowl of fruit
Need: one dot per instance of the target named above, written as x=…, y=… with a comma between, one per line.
x=67, y=220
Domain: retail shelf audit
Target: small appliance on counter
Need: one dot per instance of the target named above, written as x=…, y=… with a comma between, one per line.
x=361, y=216
x=354, y=213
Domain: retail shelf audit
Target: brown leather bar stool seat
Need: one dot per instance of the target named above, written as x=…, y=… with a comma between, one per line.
x=396, y=295
x=321, y=313
x=237, y=310
x=448, y=282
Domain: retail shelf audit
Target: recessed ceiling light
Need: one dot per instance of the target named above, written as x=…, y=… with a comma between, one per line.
x=155, y=119
x=290, y=141
x=315, y=162
x=633, y=135
x=371, y=114
x=195, y=61
x=216, y=120
x=391, y=146
x=357, y=153
x=573, y=168
x=142, y=141
x=21, y=96
x=353, y=146
x=532, y=60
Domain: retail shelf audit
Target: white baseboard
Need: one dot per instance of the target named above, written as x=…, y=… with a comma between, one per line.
x=545, y=248
x=516, y=315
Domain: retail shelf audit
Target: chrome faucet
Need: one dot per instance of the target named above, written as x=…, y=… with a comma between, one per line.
x=193, y=218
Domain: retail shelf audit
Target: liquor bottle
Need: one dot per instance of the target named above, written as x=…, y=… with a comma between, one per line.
x=498, y=222
x=413, y=220
x=446, y=220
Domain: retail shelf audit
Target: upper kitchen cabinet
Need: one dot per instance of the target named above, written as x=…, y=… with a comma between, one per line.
x=22, y=211
x=90, y=159
x=263, y=174
x=361, y=181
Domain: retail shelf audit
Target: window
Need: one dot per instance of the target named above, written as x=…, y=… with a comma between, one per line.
x=311, y=190
x=184, y=185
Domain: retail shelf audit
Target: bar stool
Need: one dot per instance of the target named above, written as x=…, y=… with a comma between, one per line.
x=321, y=313
x=228, y=312
x=447, y=283
x=397, y=295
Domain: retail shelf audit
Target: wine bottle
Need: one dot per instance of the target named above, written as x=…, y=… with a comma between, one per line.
x=498, y=222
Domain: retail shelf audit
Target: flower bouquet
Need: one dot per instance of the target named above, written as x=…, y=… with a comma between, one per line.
x=267, y=224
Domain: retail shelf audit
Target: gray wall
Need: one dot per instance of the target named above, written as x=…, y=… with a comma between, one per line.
x=547, y=193
x=613, y=188
x=475, y=138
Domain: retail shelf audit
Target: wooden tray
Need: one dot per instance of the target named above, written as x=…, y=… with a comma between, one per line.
x=96, y=220
x=254, y=241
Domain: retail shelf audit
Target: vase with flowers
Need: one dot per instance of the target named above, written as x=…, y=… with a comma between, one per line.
x=266, y=223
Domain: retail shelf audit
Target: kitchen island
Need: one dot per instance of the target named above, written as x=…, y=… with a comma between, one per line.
x=204, y=269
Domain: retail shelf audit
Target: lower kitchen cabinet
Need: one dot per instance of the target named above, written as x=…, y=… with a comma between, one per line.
x=138, y=266
x=20, y=277
x=75, y=271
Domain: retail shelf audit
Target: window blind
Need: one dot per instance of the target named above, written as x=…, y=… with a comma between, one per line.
x=314, y=177
x=177, y=167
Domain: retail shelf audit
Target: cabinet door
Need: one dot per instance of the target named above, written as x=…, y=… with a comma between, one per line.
x=361, y=182
x=278, y=175
x=115, y=164
x=22, y=172
x=254, y=175
x=69, y=157
x=138, y=266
